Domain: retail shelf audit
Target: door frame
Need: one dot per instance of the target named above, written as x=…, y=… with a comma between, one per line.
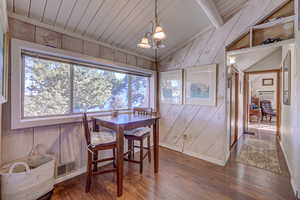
x=236, y=110
x=278, y=98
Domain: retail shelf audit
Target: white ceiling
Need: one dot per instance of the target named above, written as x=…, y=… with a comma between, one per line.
x=227, y=8
x=122, y=23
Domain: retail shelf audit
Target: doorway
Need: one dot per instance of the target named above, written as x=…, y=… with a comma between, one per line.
x=263, y=102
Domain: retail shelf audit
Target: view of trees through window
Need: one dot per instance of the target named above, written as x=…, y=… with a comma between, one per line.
x=59, y=88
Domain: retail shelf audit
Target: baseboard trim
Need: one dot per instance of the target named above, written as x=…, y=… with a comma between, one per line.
x=293, y=184
x=71, y=175
x=206, y=158
x=168, y=146
x=286, y=158
x=197, y=155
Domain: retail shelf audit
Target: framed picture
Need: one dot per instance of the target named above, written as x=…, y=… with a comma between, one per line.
x=4, y=43
x=171, y=87
x=286, y=79
x=200, y=85
x=267, y=82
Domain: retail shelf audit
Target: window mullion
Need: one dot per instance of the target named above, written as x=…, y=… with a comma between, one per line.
x=71, y=88
x=129, y=91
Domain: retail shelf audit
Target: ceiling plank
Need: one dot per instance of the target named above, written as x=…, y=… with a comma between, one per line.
x=133, y=27
x=22, y=7
x=78, y=13
x=101, y=16
x=115, y=12
x=37, y=8
x=50, y=11
x=120, y=30
x=212, y=12
x=65, y=12
x=140, y=30
x=86, y=21
x=182, y=45
x=130, y=8
x=10, y=5
x=73, y=34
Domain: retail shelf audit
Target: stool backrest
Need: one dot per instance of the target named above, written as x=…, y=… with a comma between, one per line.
x=142, y=111
x=87, y=132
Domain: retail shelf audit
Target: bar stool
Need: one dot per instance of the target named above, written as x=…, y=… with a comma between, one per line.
x=97, y=141
x=139, y=134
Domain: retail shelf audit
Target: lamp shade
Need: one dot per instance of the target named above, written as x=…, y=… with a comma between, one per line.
x=144, y=43
x=159, y=33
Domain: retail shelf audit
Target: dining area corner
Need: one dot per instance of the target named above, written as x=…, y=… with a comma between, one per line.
x=134, y=127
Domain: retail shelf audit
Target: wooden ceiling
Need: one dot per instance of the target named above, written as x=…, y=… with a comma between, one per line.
x=122, y=23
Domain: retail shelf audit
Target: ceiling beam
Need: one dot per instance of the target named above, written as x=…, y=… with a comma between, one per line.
x=211, y=12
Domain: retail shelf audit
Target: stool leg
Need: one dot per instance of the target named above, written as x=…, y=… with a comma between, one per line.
x=141, y=155
x=129, y=149
x=95, y=159
x=132, y=143
x=149, y=148
x=114, y=155
x=89, y=173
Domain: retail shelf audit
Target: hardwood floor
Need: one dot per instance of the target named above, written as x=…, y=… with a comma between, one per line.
x=182, y=177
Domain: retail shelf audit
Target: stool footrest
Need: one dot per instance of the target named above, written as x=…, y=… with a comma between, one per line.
x=103, y=160
x=104, y=171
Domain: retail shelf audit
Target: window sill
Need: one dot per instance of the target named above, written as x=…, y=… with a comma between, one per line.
x=56, y=120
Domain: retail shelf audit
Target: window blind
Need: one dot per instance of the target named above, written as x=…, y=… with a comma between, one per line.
x=84, y=63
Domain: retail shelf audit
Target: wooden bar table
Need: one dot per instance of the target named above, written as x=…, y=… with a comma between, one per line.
x=124, y=122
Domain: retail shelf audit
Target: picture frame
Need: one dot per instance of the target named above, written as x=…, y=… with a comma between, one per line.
x=267, y=81
x=170, y=83
x=200, y=85
x=286, y=79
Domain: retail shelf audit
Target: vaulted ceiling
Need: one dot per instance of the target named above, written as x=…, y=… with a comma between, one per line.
x=122, y=23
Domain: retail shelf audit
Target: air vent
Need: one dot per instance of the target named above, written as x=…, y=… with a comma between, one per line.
x=64, y=169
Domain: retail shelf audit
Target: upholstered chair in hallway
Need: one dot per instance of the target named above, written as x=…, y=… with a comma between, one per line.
x=267, y=110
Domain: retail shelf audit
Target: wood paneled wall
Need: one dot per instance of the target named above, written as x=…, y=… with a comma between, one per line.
x=65, y=141
x=201, y=131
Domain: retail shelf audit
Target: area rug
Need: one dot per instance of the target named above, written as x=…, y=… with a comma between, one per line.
x=261, y=154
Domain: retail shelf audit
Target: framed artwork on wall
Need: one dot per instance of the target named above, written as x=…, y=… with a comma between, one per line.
x=170, y=83
x=200, y=85
x=286, y=79
x=267, y=82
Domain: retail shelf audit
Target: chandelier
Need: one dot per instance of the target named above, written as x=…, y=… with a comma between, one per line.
x=154, y=38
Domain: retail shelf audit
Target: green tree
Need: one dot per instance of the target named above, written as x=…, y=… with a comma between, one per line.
x=47, y=87
x=92, y=87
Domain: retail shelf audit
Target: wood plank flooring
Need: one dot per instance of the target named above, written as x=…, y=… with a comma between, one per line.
x=182, y=177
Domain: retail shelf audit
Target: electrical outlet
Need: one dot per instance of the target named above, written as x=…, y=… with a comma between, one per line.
x=185, y=136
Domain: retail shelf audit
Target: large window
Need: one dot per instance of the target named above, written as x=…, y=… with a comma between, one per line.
x=52, y=87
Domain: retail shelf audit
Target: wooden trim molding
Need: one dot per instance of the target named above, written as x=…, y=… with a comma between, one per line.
x=16, y=85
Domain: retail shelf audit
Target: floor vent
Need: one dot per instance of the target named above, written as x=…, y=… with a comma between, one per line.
x=64, y=169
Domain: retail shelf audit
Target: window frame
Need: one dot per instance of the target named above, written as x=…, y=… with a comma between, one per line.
x=17, y=83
